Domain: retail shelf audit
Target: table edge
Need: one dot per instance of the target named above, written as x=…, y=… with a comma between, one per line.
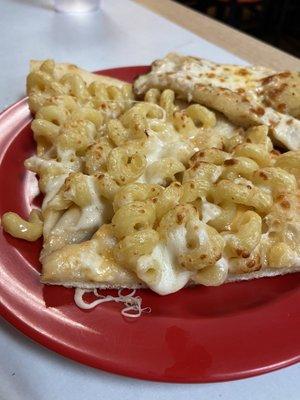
x=238, y=43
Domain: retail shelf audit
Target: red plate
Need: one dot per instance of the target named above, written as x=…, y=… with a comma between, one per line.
x=196, y=335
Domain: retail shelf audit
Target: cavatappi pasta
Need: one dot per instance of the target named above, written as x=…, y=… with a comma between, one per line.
x=153, y=192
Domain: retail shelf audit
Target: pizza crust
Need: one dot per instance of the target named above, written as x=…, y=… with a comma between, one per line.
x=266, y=273
x=63, y=68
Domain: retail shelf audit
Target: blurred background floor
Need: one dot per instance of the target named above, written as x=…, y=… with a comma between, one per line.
x=273, y=21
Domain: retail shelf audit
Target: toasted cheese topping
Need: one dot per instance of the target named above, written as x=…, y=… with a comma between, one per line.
x=81, y=263
x=238, y=92
x=190, y=71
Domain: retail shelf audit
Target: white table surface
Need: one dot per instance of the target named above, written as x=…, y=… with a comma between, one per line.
x=122, y=33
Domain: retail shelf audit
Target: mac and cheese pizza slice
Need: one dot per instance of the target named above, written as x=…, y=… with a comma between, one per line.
x=247, y=96
x=167, y=189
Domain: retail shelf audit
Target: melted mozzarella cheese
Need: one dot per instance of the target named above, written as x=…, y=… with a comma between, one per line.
x=224, y=128
x=77, y=224
x=95, y=214
x=132, y=304
x=231, y=77
x=35, y=163
x=165, y=277
x=90, y=260
x=176, y=242
x=168, y=279
x=209, y=211
x=52, y=188
x=190, y=71
x=90, y=218
x=154, y=149
x=167, y=144
x=285, y=128
x=180, y=149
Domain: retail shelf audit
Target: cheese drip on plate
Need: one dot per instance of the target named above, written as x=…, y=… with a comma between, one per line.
x=132, y=304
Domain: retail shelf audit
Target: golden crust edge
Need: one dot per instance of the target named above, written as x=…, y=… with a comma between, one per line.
x=268, y=272
x=88, y=77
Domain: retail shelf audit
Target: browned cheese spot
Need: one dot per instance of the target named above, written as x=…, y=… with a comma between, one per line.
x=277, y=91
x=281, y=107
x=231, y=161
x=179, y=218
x=242, y=72
x=285, y=74
x=285, y=204
x=263, y=175
x=258, y=111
